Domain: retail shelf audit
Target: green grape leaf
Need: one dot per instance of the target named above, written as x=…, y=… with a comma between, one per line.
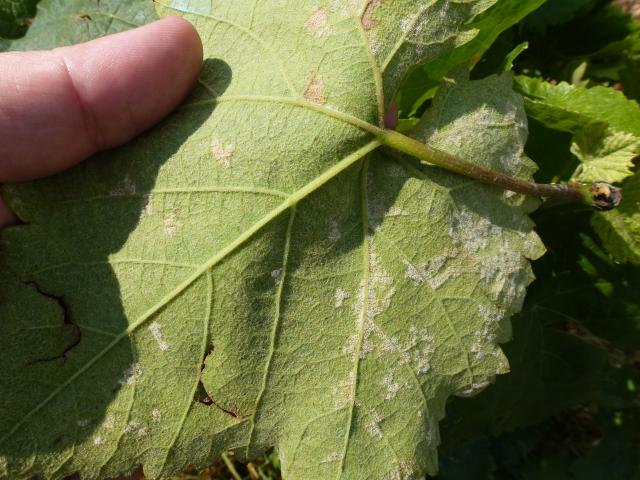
x=569, y=108
x=606, y=156
x=15, y=17
x=256, y=272
x=605, y=124
x=606, y=128
x=620, y=229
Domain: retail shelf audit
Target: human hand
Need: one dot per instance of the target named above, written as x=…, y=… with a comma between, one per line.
x=61, y=106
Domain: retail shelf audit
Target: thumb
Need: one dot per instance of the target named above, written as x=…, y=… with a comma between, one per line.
x=59, y=107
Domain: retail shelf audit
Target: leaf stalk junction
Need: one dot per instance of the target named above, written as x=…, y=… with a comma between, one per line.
x=598, y=195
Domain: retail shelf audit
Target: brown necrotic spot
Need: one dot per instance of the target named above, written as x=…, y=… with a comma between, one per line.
x=315, y=91
x=318, y=23
x=368, y=20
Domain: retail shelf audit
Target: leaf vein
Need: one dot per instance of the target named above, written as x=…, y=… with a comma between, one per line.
x=275, y=328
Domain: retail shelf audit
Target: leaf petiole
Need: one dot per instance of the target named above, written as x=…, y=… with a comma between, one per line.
x=598, y=195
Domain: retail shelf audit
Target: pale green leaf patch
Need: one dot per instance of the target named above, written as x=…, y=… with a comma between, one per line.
x=605, y=156
x=569, y=108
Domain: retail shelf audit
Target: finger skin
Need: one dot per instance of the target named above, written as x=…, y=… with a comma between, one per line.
x=58, y=107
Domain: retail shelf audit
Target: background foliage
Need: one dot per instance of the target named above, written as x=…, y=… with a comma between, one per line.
x=570, y=408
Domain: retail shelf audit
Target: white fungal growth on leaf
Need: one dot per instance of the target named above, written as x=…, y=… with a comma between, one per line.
x=109, y=422
x=372, y=427
x=472, y=231
x=435, y=272
x=507, y=275
x=132, y=426
x=170, y=225
x=98, y=441
x=475, y=388
x=156, y=415
x=408, y=23
x=418, y=350
x=137, y=428
x=380, y=290
x=156, y=331
x=392, y=385
x=276, y=275
x=131, y=375
x=403, y=470
x=340, y=296
x=512, y=199
x=126, y=188
x=223, y=152
x=374, y=298
x=345, y=8
x=334, y=231
x=333, y=457
x=396, y=212
x=147, y=205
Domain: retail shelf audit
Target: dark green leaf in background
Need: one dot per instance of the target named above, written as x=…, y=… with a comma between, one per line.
x=16, y=17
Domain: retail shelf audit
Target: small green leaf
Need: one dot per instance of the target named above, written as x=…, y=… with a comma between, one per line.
x=511, y=57
x=569, y=108
x=606, y=156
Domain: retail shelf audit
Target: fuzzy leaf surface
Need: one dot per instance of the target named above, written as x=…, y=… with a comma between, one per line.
x=254, y=272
